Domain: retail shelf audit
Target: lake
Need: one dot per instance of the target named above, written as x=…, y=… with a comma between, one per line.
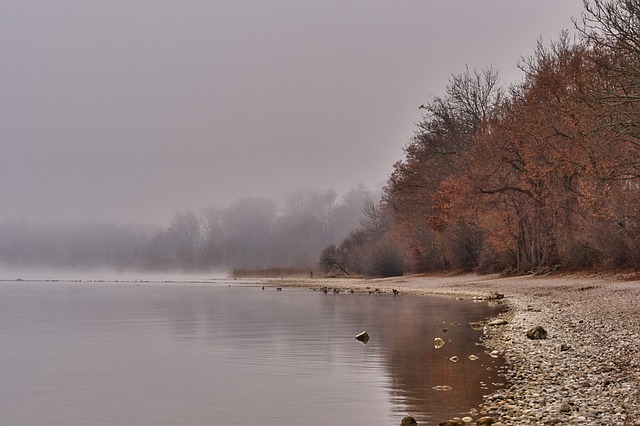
x=86, y=353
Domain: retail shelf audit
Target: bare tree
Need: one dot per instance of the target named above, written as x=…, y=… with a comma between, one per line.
x=373, y=221
x=186, y=236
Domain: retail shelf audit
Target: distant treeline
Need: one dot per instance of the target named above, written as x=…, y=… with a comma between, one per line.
x=542, y=175
x=253, y=233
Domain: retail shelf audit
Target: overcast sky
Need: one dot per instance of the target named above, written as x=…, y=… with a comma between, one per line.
x=131, y=110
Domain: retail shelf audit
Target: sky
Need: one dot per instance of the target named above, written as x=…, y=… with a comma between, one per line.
x=129, y=111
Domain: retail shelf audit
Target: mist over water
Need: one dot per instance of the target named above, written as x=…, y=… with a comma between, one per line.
x=196, y=354
x=97, y=275
x=250, y=233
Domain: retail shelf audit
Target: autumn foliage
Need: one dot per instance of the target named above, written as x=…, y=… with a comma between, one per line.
x=541, y=175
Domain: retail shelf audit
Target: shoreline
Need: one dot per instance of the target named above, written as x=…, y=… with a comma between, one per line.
x=587, y=371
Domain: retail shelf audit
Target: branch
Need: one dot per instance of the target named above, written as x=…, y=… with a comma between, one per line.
x=505, y=189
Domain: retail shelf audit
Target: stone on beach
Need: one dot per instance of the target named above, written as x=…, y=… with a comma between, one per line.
x=452, y=423
x=408, y=421
x=537, y=333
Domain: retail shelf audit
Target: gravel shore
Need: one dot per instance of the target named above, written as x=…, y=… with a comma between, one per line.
x=587, y=370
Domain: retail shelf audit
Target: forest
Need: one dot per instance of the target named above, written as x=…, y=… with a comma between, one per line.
x=541, y=175
x=536, y=176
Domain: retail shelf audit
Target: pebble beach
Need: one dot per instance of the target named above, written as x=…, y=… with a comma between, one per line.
x=587, y=369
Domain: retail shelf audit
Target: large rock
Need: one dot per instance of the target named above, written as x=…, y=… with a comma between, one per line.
x=485, y=421
x=537, y=333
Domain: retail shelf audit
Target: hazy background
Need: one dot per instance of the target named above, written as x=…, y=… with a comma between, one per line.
x=129, y=111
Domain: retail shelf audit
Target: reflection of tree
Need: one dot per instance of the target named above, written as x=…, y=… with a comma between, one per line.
x=409, y=327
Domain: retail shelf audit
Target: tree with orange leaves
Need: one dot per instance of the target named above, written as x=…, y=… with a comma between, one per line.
x=443, y=136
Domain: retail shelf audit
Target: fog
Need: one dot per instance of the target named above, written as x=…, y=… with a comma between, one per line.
x=132, y=111
x=252, y=233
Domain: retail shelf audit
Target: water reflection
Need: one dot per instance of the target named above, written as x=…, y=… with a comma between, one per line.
x=201, y=354
x=431, y=383
x=435, y=382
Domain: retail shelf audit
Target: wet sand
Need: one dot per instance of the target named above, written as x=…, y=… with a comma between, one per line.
x=587, y=370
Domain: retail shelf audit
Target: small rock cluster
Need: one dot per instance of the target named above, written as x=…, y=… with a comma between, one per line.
x=584, y=371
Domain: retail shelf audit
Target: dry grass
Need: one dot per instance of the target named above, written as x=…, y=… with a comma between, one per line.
x=273, y=272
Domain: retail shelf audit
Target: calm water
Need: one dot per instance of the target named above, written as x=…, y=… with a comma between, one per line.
x=171, y=354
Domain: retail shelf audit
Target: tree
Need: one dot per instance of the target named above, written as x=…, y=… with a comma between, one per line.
x=612, y=31
x=434, y=154
x=373, y=222
x=348, y=214
x=333, y=260
x=527, y=162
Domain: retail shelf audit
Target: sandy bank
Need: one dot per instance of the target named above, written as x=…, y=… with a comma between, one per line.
x=587, y=372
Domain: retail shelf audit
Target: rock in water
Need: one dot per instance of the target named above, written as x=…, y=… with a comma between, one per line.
x=409, y=421
x=485, y=421
x=363, y=337
x=476, y=325
x=537, y=333
x=438, y=343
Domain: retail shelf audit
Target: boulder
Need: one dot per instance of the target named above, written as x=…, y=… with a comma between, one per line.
x=537, y=333
x=485, y=421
